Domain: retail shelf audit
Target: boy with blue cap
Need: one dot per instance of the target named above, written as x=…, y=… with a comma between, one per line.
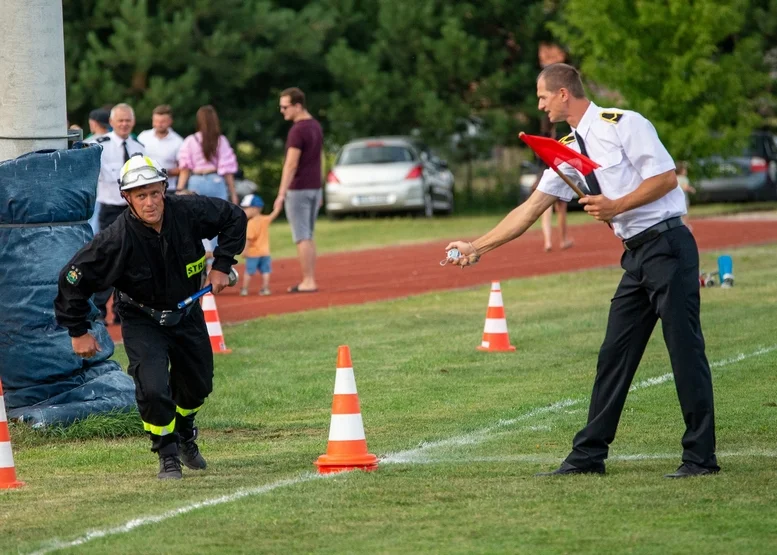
x=257, y=251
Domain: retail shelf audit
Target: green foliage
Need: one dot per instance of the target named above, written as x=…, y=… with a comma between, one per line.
x=690, y=67
x=109, y=425
x=431, y=66
x=234, y=54
x=459, y=74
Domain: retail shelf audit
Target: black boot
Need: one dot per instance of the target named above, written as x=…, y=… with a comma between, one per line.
x=190, y=453
x=169, y=463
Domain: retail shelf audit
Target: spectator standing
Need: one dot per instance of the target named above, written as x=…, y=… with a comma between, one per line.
x=163, y=143
x=560, y=206
x=118, y=146
x=300, y=188
x=207, y=162
x=257, y=251
x=99, y=123
x=685, y=185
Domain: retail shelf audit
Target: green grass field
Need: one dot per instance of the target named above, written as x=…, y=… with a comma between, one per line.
x=460, y=432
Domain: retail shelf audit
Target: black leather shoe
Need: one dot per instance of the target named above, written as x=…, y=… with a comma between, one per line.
x=567, y=468
x=689, y=469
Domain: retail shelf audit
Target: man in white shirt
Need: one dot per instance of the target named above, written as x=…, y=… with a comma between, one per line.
x=117, y=147
x=163, y=143
x=635, y=190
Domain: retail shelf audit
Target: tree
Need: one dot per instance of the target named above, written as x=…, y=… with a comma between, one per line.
x=689, y=67
x=234, y=54
x=434, y=66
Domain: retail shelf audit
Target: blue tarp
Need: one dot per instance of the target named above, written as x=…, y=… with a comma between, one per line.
x=46, y=199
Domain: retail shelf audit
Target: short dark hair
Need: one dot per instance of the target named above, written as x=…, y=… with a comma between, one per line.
x=295, y=95
x=558, y=76
x=163, y=110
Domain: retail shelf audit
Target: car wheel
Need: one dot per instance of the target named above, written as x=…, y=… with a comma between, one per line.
x=428, y=210
x=334, y=217
x=448, y=211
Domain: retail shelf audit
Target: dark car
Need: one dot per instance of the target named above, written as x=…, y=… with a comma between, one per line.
x=751, y=175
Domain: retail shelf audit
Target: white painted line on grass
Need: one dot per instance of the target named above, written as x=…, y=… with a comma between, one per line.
x=719, y=364
x=128, y=526
x=417, y=455
x=545, y=459
x=479, y=436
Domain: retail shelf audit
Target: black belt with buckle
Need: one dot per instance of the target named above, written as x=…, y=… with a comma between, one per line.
x=162, y=317
x=651, y=233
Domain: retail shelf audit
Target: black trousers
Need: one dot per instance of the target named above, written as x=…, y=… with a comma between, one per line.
x=108, y=215
x=661, y=280
x=173, y=372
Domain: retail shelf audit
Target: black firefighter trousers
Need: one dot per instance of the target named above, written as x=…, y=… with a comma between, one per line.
x=173, y=371
x=661, y=280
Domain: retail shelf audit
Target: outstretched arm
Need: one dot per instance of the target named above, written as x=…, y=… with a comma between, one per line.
x=511, y=227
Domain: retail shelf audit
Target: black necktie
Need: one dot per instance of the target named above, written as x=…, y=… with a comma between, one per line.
x=126, y=152
x=590, y=179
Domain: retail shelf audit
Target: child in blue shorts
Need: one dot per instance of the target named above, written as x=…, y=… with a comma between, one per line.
x=257, y=250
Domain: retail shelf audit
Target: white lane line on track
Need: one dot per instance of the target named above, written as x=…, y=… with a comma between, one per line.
x=417, y=455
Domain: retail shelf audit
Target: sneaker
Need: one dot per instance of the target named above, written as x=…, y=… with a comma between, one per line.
x=169, y=467
x=190, y=454
x=244, y=292
x=264, y=292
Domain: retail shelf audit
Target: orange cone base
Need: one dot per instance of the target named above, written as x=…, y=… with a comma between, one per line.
x=496, y=349
x=218, y=347
x=328, y=464
x=8, y=479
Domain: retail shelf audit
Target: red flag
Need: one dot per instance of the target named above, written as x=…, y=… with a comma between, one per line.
x=553, y=153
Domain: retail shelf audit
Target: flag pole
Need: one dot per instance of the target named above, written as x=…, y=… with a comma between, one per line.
x=566, y=179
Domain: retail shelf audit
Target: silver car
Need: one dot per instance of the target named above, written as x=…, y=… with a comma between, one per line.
x=388, y=174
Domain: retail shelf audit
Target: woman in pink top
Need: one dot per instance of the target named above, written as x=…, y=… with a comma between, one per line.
x=207, y=161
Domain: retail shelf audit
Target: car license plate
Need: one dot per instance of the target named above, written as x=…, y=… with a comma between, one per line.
x=366, y=200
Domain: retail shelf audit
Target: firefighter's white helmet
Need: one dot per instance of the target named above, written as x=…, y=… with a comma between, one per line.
x=140, y=170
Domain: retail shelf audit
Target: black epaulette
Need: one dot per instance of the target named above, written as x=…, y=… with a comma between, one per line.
x=567, y=140
x=611, y=117
x=102, y=139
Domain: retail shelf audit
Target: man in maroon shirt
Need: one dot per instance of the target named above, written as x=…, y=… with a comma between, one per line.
x=300, y=189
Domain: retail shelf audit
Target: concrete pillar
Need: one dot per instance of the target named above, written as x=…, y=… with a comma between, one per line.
x=33, y=110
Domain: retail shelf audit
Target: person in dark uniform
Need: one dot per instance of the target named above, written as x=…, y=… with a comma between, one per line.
x=635, y=190
x=153, y=255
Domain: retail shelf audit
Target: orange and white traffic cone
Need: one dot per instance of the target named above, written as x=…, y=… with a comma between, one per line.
x=347, y=448
x=214, y=325
x=495, y=336
x=7, y=470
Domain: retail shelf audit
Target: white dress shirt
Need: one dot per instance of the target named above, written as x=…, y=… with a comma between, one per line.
x=111, y=161
x=628, y=151
x=163, y=150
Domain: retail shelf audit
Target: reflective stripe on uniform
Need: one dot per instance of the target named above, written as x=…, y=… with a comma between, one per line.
x=160, y=430
x=187, y=412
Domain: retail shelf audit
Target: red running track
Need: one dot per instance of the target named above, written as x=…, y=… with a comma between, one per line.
x=388, y=273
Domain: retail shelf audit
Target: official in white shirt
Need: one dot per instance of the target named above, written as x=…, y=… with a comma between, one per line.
x=117, y=147
x=162, y=143
x=636, y=190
